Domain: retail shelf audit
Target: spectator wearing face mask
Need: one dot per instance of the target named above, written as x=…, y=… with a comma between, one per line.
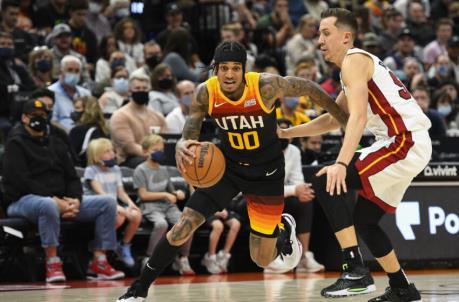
x=162, y=97
x=90, y=124
x=132, y=122
x=41, y=66
x=287, y=111
x=311, y=148
x=422, y=96
x=97, y=21
x=440, y=72
x=117, y=94
x=176, y=118
x=110, y=58
x=153, y=54
x=117, y=10
x=443, y=102
x=67, y=90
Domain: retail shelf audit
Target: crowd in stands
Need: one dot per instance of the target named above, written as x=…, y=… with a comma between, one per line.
x=93, y=84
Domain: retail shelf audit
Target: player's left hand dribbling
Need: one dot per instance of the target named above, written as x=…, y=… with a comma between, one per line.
x=336, y=178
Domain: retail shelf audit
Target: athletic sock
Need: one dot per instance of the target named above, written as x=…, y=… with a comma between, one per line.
x=352, y=258
x=163, y=255
x=398, y=279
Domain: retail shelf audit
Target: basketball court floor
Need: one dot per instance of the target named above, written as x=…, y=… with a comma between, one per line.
x=436, y=285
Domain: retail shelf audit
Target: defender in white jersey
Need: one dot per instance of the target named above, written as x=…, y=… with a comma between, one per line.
x=377, y=100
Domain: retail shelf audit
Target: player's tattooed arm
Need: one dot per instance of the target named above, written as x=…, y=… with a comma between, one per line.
x=273, y=87
x=184, y=228
x=198, y=110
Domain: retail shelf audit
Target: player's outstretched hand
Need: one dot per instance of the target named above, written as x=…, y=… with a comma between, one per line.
x=183, y=154
x=336, y=178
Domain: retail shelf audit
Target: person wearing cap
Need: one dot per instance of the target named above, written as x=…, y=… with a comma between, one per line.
x=372, y=43
x=405, y=47
x=61, y=40
x=242, y=105
x=41, y=185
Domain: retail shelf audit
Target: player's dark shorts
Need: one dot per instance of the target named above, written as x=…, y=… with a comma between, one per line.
x=262, y=186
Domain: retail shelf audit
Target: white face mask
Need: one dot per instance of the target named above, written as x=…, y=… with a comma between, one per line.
x=94, y=8
x=122, y=12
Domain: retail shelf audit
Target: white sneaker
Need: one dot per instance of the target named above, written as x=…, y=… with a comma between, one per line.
x=223, y=259
x=308, y=264
x=182, y=265
x=292, y=251
x=210, y=262
x=277, y=266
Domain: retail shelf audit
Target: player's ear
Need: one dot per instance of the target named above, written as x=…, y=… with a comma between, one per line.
x=348, y=37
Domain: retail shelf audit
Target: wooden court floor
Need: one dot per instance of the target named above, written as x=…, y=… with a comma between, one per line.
x=435, y=285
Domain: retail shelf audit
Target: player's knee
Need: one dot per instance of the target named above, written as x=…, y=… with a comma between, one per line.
x=185, y=227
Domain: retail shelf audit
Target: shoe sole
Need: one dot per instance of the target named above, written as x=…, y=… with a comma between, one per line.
x=55, y=279
x=350, y=292
x=311, y=270
x=105, y=277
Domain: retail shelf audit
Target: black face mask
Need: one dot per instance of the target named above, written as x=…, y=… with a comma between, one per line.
x=6, y=53
x=165, y=83
x=284, y=143
x=38, y=123
x=76, y=115
x=153, y=61
x=140, y=97
x=43, y=65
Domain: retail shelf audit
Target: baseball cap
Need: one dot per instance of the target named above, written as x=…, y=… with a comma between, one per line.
x=61, y=28
x=454, y=41
x=370, y=39
x=34, y=105
x=173, y=8
x=406, y=32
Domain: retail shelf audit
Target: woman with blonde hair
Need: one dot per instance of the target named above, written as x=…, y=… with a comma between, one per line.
x=41, y=66
x=103, y=177
x=90, y=124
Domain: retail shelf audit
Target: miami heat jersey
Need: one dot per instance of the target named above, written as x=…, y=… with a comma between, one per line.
x=391, y=108
x=247, y=129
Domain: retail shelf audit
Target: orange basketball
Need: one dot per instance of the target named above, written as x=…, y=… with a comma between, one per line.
x=207, y=167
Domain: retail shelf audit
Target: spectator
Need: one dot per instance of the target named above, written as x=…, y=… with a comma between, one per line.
x=15, y=82
x=311, y=148
x=66, y=90
x=298, y=203
x=441, y=71
x=97, y=21
x=41, y=66
x=315, y=7
x=131, y=123
x=178, y=54
x=235, y=32
x=372, y=44
x=118, y=10
x=42, y=186
x=422, y=96
x=152, y=54
x=453, y=53
x=117, y=94
x=162, y=97
x=412, y=73
x=303, y=43
x=175, y=120
x=453, y=12
x=84, y=41
x=103, y=177
x=51, y=14
x=46, y=96
x=418, y=24
x=158, y=198
x=111, y=57
x=279, y=20
x=392, y=21
x=287, y=110
x=444, y=104
x=61, y=38
x=128, y=36
x=308, y=70
x=23, y=42
x=404, y=48
x=214, y=262
x=444, y=31
x=90, y=124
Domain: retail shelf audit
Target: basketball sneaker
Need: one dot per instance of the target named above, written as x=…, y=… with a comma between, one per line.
x=308, y=264
x=211, y=264
x=289, y=246
x=182, y=265
x=223, y=259
x=396, y=294
x=102, y=270
x=355, y=282
x=135, y=293
x=54, y=272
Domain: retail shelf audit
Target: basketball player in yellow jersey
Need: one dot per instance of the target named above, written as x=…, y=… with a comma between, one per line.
x=242, y=107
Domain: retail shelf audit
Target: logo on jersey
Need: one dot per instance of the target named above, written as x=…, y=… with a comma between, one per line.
x=239, y=122
x=216, y=105
x=249, y=103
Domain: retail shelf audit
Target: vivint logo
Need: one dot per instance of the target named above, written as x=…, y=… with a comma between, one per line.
x=408, y=215
x=439, y=170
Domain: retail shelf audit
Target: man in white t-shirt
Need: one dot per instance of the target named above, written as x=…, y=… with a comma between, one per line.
x=175, y=120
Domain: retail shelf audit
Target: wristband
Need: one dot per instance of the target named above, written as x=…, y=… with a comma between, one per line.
x=341, y=163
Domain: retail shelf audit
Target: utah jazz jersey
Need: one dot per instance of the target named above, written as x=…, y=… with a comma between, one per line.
x=247, y=129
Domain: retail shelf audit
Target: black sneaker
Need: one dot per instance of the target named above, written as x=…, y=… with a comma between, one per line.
x=395, y=294
x=134, y=293
x=355, y=282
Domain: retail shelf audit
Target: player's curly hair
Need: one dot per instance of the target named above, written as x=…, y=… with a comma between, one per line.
x=229, y=51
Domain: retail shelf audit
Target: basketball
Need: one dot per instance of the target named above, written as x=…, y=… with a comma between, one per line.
x=207, y=167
